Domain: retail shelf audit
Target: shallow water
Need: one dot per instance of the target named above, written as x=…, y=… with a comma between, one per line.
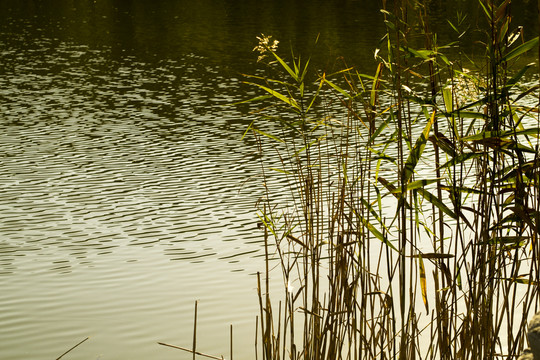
x=126, y=191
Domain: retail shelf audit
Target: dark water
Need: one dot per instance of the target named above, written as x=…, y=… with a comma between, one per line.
x=126, y=192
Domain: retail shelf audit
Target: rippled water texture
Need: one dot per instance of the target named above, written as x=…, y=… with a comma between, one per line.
x=124, y=199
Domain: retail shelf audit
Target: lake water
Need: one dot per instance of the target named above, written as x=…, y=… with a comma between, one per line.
x=126, y=192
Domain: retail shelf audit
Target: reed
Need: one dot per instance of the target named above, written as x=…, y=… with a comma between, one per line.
x=400, y=208
x=73, y=347
x=194, y=352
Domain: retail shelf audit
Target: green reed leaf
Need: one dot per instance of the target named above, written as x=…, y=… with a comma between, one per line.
x=462, y=158
x=390, y=25
x=247, y=130
x=515, y=79
x=315, y=96
x=417, y=151
x=444, y=143
x=376, y=233
x=304, y=72
x=501, y=10
x=421, y=183
x=503, y=31
x=296, y=66
x=437, y=202
x=283, y=171
x=414, y=185
x=422, y=53
x=447, y=97
x=524, y=280
x=372, y=210
x=444, y=59
x=526, y=92
x=507, y=242
x=257, y=98
x=486, y=10
x=452, y=26
x=501, y=134
x=378, y=132
x=337, y=88
x=267, y=222
x=521, y=49
x=313, y=142
x=266, y=134
x=461, y=189
x=287, y=68
x=285, y=99
x=375, y=86
x=388, y=185
x=468, y=114
x=423, y=286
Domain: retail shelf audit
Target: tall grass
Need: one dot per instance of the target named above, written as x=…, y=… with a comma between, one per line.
x=400, y=208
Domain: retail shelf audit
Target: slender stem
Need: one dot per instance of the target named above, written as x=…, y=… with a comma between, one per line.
x=191, y=351
x=72, y=348
x=194, y=350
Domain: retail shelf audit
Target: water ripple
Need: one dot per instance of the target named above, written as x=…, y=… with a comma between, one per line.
x=97, y=155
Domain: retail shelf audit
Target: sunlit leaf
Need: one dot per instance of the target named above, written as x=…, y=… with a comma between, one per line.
x=376, y=232
x=338, y=89
x=375, y=86
x=279, y=96
x=502, y=134
x=283, y=171
x=521, y=49
x=416, y=184
x=437, y=202
x=266, y=134
x=523, y=280
x=422, y=53
x=378, y=131
x=423, y=286
x=293, y=74
x=447, y=97
x=417, y=151
x=462, y=158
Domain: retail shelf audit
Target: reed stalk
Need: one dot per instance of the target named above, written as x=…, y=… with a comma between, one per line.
x=403, y=218
x=73, y=347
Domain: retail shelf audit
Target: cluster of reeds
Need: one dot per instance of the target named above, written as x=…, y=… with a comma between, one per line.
x=402, y=208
